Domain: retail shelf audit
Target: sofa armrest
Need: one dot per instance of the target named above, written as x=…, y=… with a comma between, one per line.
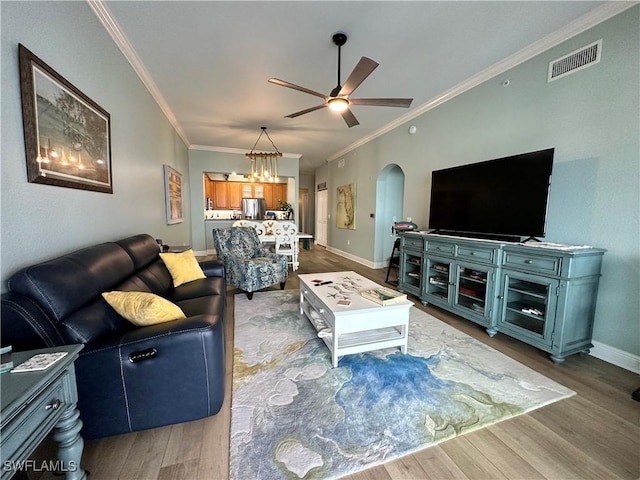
x=213, y=268
x=26, y=326
x=177, y=375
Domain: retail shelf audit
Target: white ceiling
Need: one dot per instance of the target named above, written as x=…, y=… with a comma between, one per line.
x=207, y=62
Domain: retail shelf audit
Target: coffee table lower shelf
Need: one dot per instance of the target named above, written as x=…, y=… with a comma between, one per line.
x=359, y=342
x=357, y=331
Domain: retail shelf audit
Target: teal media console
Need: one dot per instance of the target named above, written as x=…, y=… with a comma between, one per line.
x=543, y=294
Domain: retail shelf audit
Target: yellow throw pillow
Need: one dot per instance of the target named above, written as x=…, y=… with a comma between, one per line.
x=142, y=308
x=183, y=267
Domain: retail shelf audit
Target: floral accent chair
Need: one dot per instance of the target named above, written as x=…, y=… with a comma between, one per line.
x=249, y=266
x=258, y=227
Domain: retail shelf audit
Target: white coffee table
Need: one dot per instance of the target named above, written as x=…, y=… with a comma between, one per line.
x=360, y=327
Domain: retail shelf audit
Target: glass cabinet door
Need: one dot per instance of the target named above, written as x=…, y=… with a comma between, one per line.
x=528, y=305
x=474, y=291
x=411, y=271
x=437, y=285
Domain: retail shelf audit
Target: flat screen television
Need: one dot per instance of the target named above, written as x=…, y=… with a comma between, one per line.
x=505, y=198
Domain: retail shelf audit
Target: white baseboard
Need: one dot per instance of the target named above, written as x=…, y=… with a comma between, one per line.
x=361, y=261
x=618, y=357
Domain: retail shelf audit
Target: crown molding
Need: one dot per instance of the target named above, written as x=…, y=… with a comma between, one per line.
x=589, y=20
x=113, y=29
x=239, y=151
x=580, y=25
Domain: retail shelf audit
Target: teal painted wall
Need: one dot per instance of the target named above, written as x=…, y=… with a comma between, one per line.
x=591, y=117
x=42, y=221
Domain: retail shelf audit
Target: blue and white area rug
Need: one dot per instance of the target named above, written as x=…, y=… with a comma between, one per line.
x=293, y=416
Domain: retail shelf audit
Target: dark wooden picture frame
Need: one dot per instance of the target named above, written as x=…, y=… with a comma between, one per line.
x=67, y=135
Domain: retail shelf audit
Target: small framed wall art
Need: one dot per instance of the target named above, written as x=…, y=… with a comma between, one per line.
x=173, y=194
x=67, y=135
x=346, y=207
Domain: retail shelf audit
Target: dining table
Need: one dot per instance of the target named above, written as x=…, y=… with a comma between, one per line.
x=305, y=237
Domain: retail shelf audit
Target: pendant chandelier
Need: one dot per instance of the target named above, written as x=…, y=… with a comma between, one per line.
x=264, y=165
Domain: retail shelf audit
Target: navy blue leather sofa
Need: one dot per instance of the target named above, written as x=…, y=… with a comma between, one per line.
x=129, y=378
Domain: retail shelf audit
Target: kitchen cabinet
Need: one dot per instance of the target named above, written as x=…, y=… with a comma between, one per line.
x=252, y=190
x=235, y=195
x=273, y=192
x=228, y=195
x=221, y=195
x=279, y=193
x=208, y=190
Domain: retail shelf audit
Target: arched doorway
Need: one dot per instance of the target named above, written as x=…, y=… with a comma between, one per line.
x=389, y=208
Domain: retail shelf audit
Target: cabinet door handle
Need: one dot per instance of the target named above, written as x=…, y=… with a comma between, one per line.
x=53, y=405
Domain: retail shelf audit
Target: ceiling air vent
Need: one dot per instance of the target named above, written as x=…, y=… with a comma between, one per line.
x=577, y=60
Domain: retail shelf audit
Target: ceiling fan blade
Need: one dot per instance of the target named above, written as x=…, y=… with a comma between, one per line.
x=350, y=118
x=308, y=110
x=363, y=69
x=382, y=102
x=296, y=87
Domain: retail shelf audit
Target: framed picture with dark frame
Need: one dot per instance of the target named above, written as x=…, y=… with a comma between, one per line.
x=67, y=135
x=173, y=194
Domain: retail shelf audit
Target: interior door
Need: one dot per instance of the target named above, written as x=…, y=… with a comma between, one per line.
x=321, y=222
x=303, y=208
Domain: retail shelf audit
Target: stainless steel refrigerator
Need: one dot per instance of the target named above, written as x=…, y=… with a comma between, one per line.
x=253, y=208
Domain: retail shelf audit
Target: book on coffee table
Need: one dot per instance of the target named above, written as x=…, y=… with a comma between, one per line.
x=383, y=296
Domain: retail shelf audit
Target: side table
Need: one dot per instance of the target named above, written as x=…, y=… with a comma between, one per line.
x=178, y=248
x=34, y=404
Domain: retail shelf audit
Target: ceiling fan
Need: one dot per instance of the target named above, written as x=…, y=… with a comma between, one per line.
x=340, y=99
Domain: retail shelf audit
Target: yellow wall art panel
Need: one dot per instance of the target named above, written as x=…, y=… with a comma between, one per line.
x=346, y=207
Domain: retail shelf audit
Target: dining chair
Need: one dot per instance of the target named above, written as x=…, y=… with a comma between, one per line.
x=241, y=223
x=286, y=242
x=269, y=225
x=257, y=226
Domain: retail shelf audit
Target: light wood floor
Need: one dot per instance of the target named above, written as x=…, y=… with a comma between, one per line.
x=592, y=435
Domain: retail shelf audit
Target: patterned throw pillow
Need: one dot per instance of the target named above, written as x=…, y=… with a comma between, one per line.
x=142, y=308
x=183, y=267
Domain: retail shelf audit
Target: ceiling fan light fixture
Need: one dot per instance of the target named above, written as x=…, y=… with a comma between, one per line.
x=338, y=104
